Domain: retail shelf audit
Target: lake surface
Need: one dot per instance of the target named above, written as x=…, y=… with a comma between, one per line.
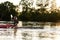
x=50, y=31
x=29, y=34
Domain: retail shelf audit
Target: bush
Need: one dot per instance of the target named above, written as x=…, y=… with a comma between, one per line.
x=42, y=17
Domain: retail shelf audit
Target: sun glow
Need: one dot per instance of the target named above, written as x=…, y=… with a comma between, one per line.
x=15, y=2
x=58, y=3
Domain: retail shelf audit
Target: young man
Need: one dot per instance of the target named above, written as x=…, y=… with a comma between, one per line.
x=15, y=24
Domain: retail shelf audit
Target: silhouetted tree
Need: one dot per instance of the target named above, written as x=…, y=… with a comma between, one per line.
x=6, y=9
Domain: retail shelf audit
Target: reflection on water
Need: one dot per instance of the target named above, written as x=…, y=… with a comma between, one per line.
x=6, y=32
x=30, y=34
x=39, y=24
x=50, y=31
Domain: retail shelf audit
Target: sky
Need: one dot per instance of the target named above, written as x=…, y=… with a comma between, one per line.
x=15, y=2
x=58, y=3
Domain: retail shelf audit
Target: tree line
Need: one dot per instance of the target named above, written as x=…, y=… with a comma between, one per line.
x=28, y=14
x=40, y=16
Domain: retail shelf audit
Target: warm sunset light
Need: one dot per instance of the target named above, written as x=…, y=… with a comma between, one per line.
x=57, y=3
x=15, y=2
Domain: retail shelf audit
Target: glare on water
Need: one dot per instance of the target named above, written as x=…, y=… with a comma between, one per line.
x=49, y=32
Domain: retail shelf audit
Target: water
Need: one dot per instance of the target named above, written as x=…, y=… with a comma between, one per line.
x=49, y=32
x=29, y=34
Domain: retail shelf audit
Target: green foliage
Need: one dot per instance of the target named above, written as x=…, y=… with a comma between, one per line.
x=6, y=9
x=40, y=16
